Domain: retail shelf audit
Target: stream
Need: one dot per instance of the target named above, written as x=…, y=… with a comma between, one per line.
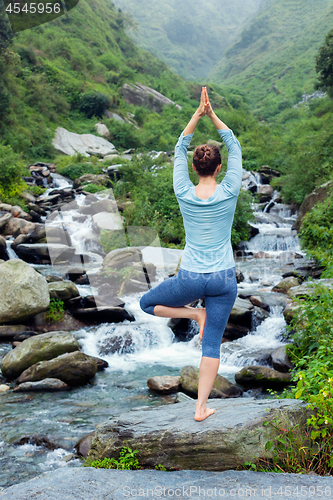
x=65, y=417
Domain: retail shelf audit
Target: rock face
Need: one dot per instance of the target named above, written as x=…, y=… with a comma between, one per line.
x=222, y=388
x=140, y=95
x=37, y=348
x=91, y=483
x=74, y=368
x=319, y=194
x=23, y=291
x=280, y=360
x=169, y=434
x=164, y=384
x=262, y=376
x=69, y=143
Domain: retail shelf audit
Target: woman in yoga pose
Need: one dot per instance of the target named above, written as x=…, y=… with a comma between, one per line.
x=207, y=267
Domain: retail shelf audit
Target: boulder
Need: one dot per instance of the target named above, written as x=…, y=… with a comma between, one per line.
x=182, y=484
x=241, y=313
x=233, y=332
x=280, y=360
x=94, y=207
x=169, y=435
x=4, y=388
x=35, y=252
x=103, y=314
x=222, y=388
x=267, y=174
x=47, y=384
x=70, y=143
x=164, y=384
x=63, y=290
x=122, y=257
x=262, y=255
x=83, y=446
x=140, y=95
x=42, y=323
x=11, y=331
x=265, y=193
x=319, y=194
x=262, y=376
x=284, y=285
x=74, y=368
x=37, y=348
x=23, y=291
x=307, y=287
x=290, y=311
x=117, y=343
x=256, y=301
x=16, y=226
x=102, y=130
x=3, y=249
x=108, y=221
x=98, y=179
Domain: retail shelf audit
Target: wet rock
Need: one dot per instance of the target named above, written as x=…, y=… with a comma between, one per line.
x=234, y=332
x=122, y=257
x=262, y=255
x=52, y=278
x=36, y=252
x=98, y=179
x=21, y=238
x=117, y=343
x=95, y=207
x=296, y=274
x=241, y=313
x=307, y=287
x=24, y=335
x=63, y=290
x=267, y=174
x=284, y=285
x=16, y=226
x=37, y=441
x=74, y=368
x=103, y=315
x=4, y=388
x=259, y=315
x=164, y=384
x=239, y=276
x=83, y=446
x=140, y=95
x=3, y=249
x=108, y=221
x=222, y=388
x=169, y=435
x=265, y=193
x=38, y=348
x=47, y=384
x=280, y=360
x=70, y=143
x=256, y=301
x=23, y=291
x=101, y=363
x=68, y=323
x=263, y=376
x=11, y=331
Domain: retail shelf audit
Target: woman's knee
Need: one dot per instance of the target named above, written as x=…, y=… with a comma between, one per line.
x=145, y=305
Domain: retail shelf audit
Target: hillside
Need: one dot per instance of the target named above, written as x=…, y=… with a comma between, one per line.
x=274, y=57
x=190, y=36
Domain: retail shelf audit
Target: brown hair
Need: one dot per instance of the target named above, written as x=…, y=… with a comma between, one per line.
x=206, y=158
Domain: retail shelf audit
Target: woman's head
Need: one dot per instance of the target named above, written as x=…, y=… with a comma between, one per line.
x=206, y=159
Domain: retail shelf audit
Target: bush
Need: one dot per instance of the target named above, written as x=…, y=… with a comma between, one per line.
x=55, y=311
x=93, y=188
x=94, y=104
x=11, y=172
x=127, y=461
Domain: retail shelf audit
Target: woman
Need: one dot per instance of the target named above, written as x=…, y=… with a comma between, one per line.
x=207, y=267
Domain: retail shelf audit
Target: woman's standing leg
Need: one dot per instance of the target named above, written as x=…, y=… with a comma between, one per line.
x=218, y=308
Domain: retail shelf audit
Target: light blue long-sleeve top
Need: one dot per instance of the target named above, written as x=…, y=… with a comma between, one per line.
x=208, y=222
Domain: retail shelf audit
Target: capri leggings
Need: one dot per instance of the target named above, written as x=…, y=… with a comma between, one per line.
x=219, y=289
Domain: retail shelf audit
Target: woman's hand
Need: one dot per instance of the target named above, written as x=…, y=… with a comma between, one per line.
x=202, y=109
x=208, y=107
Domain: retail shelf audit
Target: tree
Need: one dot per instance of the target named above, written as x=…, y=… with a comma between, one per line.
x=324, y=66
x=6, y=33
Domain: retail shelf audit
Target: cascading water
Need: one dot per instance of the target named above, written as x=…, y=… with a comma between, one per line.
x=146, y=347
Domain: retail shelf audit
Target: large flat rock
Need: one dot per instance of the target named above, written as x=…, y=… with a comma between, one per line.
x=70, y=143
x=169, y=434
x=103, y=484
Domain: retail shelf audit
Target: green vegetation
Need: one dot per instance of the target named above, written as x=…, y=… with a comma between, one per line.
x=191, y=36
x=274, y=58
x=11, y=171
x=325, y=64
x=316, y=234
x=55, y=311
x=127, y=461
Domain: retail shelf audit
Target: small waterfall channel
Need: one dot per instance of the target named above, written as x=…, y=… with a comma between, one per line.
x=148, y=346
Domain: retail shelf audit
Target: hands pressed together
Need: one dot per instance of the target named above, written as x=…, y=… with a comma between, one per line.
x=205, y=107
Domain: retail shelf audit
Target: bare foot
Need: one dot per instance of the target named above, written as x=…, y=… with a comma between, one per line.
x=203, y=414
x=201, y=321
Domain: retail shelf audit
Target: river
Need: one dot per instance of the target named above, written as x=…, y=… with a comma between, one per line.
x=67, y=416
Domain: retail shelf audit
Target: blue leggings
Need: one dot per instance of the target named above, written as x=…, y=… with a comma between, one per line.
x=219, y=289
